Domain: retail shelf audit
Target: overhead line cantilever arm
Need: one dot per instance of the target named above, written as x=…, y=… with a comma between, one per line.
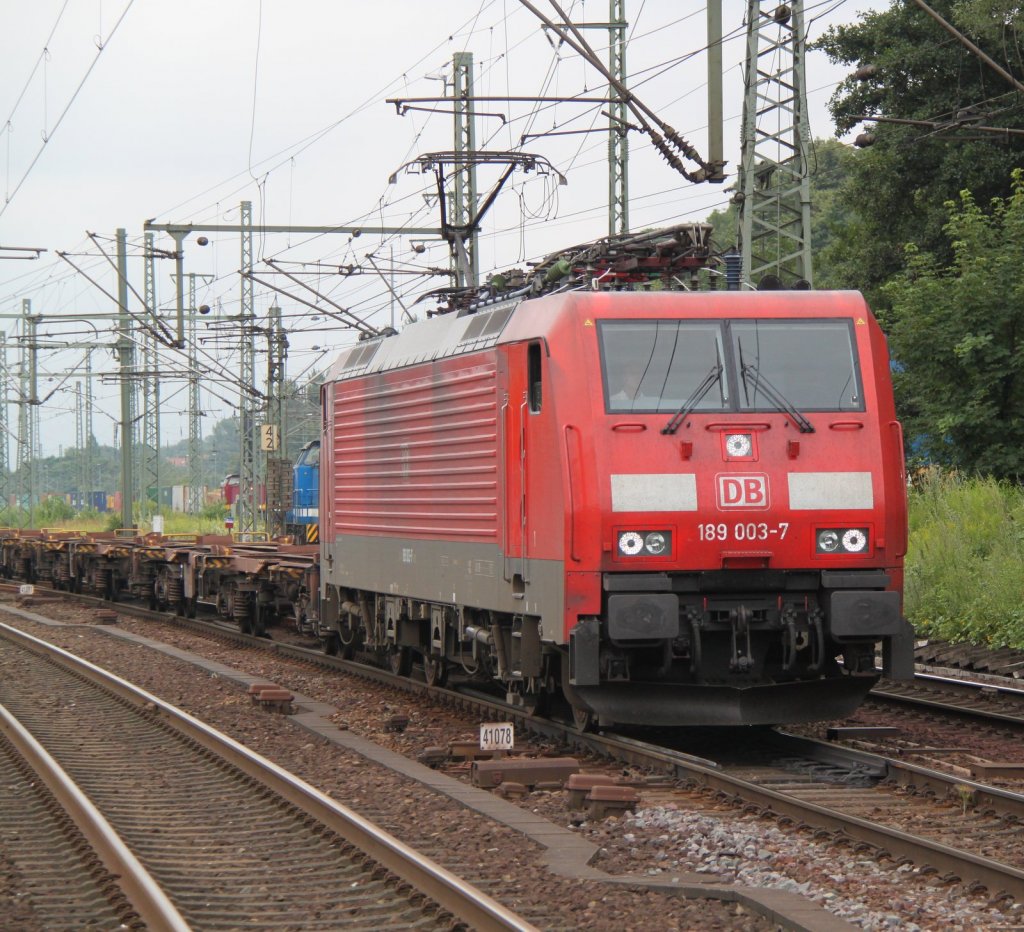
x=365, y=328
x=967, y=43
x=571, y=35
x=168, y=336
x=344, y=315
x=139, y=320
x=952, y=124
x=400, y=102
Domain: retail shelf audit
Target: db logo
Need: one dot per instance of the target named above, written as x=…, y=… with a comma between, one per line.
x=748, y=491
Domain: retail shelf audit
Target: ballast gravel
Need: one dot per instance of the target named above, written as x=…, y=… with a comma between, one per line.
x=751, y=852
x=659, y=841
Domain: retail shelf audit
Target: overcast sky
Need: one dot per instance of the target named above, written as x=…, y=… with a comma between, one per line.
x=176, y=112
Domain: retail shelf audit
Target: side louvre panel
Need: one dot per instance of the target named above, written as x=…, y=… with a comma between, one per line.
x=418, y=457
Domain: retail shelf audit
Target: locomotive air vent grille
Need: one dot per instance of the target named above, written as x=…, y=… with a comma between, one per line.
x=362, y=356
x=475, y=328
x=484, y=328
x=496, y=321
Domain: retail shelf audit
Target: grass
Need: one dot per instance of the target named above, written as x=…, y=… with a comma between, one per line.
x=965, y=565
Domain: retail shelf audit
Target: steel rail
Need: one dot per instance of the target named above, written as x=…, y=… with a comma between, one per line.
x=142, y=891
x=997, y=877
x=461, y=899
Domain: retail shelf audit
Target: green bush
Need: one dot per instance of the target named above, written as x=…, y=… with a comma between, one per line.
x=965, y=565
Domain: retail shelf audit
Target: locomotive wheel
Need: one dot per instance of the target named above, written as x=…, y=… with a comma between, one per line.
x=582, y=719
x=190, y=608
x=399, y=661
x=331, y=645
x=534, y=702
x=435, y=670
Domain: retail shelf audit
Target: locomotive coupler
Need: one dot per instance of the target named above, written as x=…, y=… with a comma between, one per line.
x=789, y=638
x=815, y=620
x=742, y=658
x=693, y=617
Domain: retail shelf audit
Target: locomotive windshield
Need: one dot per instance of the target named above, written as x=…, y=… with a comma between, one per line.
x=812, y=364
x=655, y=365
x=660, y=365
x=310, y=455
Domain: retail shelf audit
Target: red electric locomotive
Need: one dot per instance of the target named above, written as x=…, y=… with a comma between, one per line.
x=671, y=508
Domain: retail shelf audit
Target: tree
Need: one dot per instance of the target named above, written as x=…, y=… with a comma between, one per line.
x=956, y=331
x=896, y=190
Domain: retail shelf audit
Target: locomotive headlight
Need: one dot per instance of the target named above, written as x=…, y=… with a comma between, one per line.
x=644, y=543
x=656, y=543
x=828, y=541
x=630, y=543
x=854, y=540
x=842, y=540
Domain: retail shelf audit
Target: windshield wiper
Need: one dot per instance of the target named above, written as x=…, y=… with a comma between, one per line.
x=699, y=392
x=776, y=397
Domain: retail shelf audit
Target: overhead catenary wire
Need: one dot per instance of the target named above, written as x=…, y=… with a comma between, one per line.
x=48, y=135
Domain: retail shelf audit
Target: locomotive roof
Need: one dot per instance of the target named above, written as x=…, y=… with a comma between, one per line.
x=446, y=335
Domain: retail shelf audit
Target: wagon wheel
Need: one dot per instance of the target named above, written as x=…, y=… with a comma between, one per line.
x=435, y=670
x=582, y=719
x=331, y=644
x=399, y=661
x=260, y=619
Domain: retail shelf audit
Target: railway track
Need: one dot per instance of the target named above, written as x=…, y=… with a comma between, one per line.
x=983, y=699
x=962, y=830
x=948, y=823
x=228, y=837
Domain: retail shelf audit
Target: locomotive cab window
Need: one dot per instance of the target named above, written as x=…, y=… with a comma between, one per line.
x=811, y=364
x=660, y=365
x=310, y=455
x=533, y=374
x=650, y=366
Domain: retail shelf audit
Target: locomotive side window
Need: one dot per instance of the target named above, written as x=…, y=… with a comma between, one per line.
x=656, y=365
x=812, y=364
x=533, y=364
x=310, y=455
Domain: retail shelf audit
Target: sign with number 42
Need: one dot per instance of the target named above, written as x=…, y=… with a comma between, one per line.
x=499, y=737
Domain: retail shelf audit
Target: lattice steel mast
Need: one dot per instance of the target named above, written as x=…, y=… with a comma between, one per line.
x=464, y=199
x=5, y=427
x=774, y=186
x=248, y=490
x=150, y=472
x=618, y=140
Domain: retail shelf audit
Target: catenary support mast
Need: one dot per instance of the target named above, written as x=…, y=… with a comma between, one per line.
x=774, y=186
